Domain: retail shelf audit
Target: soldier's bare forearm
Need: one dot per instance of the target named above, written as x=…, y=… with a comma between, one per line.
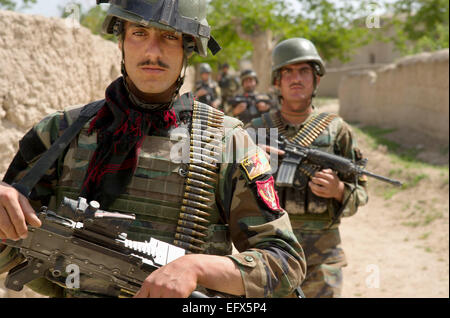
x=218, y=273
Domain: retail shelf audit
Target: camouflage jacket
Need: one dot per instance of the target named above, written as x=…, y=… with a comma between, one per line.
x=270, y=258
x=251, y=99
x=311, y=216
x=213, y=89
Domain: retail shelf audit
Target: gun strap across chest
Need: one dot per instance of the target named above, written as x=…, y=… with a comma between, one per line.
x=27, y=183
x=201, y=177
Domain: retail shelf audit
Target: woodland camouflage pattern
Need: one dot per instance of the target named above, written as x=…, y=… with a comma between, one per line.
x=311, y=216
x=270, y=258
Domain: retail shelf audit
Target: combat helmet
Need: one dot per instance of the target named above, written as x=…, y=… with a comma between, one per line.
x=296, y=50
x=185, y=16
x=247, y=74
x=205, y=68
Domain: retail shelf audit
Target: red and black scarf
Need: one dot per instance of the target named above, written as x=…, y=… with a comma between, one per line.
x=121, y=128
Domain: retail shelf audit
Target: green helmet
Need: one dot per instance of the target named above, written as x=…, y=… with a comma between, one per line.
x=185, y=16
x=296, y=50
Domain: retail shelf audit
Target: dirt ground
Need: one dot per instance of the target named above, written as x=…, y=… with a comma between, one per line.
x=398, y=244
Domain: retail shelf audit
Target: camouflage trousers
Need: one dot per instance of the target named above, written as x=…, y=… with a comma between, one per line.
x=323, y=281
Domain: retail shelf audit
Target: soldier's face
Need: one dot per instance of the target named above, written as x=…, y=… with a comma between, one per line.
x=205, y=76
x=297, y=82
x=249, y=84
x=153, y=57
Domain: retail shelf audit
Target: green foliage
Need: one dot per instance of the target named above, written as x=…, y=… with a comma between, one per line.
x=327, y=24
x=93, y=20
x=421, y=25
x=12, y=4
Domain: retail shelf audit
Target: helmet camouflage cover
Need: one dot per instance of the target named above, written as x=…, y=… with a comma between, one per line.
x=296, y=50
x=185, y=16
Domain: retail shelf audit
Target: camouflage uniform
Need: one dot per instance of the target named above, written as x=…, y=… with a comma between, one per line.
x=251, y=112
x=229, y=85
x=311, y=216
x=270, y=258
x=213, y=89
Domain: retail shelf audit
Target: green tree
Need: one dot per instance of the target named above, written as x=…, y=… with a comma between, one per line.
x=421, y=25
x=12, y=4
x=253, y=28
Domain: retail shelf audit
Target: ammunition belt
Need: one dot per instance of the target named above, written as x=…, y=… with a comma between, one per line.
x=201, y=177
x=310, y=131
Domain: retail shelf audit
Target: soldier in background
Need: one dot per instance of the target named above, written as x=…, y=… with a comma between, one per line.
x=250, y=104
x=206, y=89
x=122, y=159
x=317, y=203
x=229, y=86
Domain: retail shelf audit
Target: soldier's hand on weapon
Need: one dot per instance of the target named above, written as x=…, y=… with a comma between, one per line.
x=270, y=150
x=15, y=213
x=178, y=279
x=201, y=92
x=326, y=184
x=216, y=104
x=239, y=108
x=262, y=107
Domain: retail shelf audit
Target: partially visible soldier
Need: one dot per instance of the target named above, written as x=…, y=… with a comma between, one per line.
x=250, y=104
x=122, y=158
x=206, y=89
x=316, y=205
x=229, y=85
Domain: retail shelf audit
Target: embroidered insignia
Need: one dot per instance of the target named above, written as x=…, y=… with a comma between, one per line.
x=266, y=191
x=256, y=165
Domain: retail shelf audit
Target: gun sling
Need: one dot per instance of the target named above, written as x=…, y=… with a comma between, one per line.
x=27, y=183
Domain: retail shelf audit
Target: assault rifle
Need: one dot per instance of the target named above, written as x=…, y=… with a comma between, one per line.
x=296, y=155
x=251, y=101
x=81, y=236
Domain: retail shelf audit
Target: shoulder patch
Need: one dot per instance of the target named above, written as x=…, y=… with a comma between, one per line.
x=267, y=193
x=256, y=165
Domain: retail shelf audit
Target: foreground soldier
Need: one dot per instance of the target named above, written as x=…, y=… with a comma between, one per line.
x=250, y=104
x=121, y=158
x=313, y=205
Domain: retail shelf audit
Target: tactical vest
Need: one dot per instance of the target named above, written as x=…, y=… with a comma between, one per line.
x=307, y=211
x=210, y=87
x=154, y=195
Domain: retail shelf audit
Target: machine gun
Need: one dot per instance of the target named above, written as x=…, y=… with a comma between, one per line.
x=81, y=236
x=297, y=155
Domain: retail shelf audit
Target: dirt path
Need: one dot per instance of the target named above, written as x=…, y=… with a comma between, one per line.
x=398, y=244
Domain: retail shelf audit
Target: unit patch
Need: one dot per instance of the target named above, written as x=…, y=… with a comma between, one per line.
x=256, y=165
x=266, y=191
